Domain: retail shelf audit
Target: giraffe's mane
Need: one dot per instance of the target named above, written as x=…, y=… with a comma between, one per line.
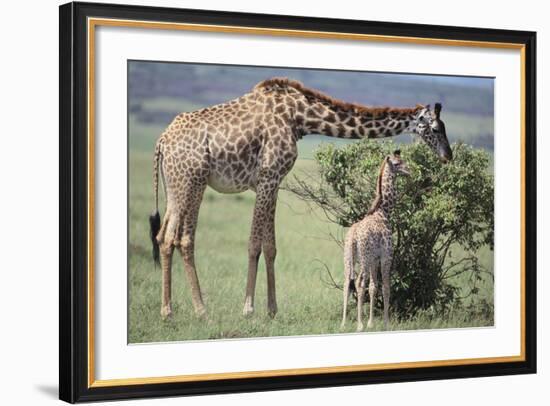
x=378, y=199
x=337, y=103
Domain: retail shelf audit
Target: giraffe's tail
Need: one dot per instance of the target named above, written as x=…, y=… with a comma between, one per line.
x=154, y=218
x=349, y=261
x=154, y=223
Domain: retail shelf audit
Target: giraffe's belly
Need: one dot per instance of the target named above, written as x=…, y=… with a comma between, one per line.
x=224, y=179
x=225, y=186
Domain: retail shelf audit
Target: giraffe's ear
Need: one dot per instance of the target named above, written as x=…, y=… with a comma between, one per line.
x=423, y=112
x=397, y=153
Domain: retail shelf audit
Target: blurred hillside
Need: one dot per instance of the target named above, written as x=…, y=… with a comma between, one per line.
x=158, y=91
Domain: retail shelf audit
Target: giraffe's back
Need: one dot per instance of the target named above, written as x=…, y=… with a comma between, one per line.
x=235, y=140
x=370, y=236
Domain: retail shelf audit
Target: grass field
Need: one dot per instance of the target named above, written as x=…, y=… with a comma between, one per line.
x=306, y=304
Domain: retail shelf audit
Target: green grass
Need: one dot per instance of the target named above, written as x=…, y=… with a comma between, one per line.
x=306, y=304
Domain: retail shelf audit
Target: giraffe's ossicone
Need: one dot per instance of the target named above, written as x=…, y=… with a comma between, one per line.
x=251, y=143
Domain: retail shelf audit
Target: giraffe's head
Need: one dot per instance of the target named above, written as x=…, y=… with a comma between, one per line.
x=396, y=163
x=392, y=165
x=431, y=129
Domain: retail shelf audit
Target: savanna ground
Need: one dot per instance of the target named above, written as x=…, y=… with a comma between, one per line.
x=307, y=304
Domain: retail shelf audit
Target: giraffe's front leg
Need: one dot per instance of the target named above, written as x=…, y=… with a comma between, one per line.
x=264, y=209
x=254, y=251
x=386, y=271
x=269, y=249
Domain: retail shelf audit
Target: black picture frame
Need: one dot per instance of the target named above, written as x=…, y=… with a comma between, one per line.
x=74, y=199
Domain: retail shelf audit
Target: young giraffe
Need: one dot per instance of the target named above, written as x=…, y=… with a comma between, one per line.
x=251, y=143
x=369, y=242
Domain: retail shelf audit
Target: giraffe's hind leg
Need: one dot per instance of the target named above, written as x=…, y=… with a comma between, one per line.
x=166, y=252
x=191, y=204
x=166, y=238
x=346, y=289
x=366, y=263
x=348, y=278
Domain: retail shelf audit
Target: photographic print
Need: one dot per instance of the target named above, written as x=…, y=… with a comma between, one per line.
x=271, y=201
x=247, y=201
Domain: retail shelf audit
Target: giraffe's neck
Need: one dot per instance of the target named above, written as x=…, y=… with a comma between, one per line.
x=385, y=192
x=319, y=116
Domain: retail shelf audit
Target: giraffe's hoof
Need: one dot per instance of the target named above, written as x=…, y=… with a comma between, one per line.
x=166, y=312
x=370, y=324
x=201, y=313
x=248, y=310
x=272, y=311
x=359, y=327
x=343, y=326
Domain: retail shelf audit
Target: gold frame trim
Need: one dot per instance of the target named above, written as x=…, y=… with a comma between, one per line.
x=94, y=22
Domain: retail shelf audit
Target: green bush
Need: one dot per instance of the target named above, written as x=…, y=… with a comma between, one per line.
x=441, y=209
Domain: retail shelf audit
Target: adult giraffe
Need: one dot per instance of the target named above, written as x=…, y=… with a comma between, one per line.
x=251, y=143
